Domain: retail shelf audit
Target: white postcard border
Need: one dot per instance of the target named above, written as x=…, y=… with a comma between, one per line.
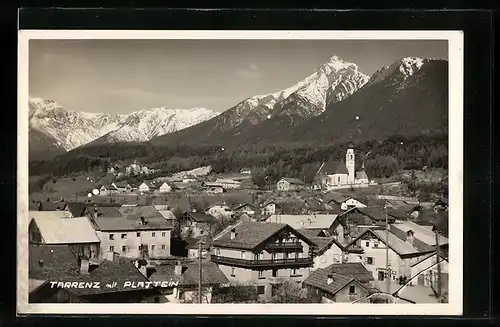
x=455, y=305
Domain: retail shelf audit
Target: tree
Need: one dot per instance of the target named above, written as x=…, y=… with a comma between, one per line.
x=259, y=178
x=411, y=183
x=235, y=293
x=287, y=291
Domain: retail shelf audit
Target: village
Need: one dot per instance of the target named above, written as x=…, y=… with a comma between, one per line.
x=343, y=239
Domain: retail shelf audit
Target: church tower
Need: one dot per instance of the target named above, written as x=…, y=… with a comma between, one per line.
x=350, y=164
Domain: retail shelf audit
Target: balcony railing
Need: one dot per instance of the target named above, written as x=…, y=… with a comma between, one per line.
x=284, y=246
x=263, y=263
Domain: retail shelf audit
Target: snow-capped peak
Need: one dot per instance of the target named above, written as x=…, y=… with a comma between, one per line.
x=399, y=70
x=72, y=129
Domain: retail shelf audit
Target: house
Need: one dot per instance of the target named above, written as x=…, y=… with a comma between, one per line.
x=314, y=205
x=122, y=187
x=340, y=173
x=425, y=271
x=247, y=208
x=422, y=238
x=228, y=184
x=262, y=254
x=197, y=224
x=289, y=184
x=140, y=231
x=356, y=220
x=147, y=187
x=247, y=171
x=48, y=206
x=165, y=211
x=211, y=187
x=441, y=204
x=339, y=201
x=76, y=232
x=345, y=282
x=77, y=209
x=327, y=251
x=270, y=208
x=192, y=248
x=327, y=223
x=220, y=211
x=56, y=267
x=49, y=214
x=371, y=245
x=404, y=212
x=242, y=216
x=184, y=277
x=165, y=188
x=100, y=210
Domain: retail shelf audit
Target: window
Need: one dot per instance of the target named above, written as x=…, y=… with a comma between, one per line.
x=352, y=289
x=153, y=247
x=140, y=247
x=275, y=273
x=323, y=258
x=375, y=245
x=138, y=234
x=124, y=248
x=217, y=251
x=124, y=236
x=369, y=260
x=295, y=272
x=163, y=234
x=163, y=247
x=111, y=236
x=261, y=289
x=261, y=274
x=232, y=272
x=111, y=248
x=242, y=254
x=367, y=244
x=153, y=234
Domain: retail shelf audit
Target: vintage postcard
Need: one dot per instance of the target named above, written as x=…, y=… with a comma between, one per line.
x=240, y=172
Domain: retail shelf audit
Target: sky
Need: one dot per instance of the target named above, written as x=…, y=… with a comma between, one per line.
x=121, y=76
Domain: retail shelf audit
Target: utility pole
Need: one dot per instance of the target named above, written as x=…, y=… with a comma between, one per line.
x=388, y=280
x=199, y=272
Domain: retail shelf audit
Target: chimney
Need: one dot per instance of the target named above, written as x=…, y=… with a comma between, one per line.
x=39, y=205
x=178, y=268
x=410, y=237
x=142, y=221
x=329, y=279
x=233, y=233
x=84, y=265
x=40, y=262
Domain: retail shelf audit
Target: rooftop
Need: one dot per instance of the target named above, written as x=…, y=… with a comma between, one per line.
x=421, y=233
x=250, y=235
x=395, y=243
x=333, y=167
x=210, y=274
x=322, y=221
x=201, y=217
x=66, y=230
x=294, y=181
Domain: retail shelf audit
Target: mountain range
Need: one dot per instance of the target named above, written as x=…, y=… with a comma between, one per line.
x=55, y=129
x=335, y=102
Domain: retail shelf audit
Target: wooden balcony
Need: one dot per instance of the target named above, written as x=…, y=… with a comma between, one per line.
x=284, y=246
x=263, y=264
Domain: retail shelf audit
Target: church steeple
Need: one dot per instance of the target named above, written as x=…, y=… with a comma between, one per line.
x=350, y=164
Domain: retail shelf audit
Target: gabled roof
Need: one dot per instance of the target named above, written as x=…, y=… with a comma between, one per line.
x=250, y=235
x=49, y=206
x=167, y=214
x=402, y=212
x=77, y=209
x=324, y=243
x=132, y=224
x=420, y=233
x=103, y=211
x=293, y=181
x=319, y=279
x=311, y=232
x=442, y=257
x=314, y=204
x=402, y=248
x=58, y=263
x=148, y=212
x=201, y=217
x=337, y=198
x=265, y=204
x=49, y=214
x=352, y=269
x=210, y=274
x=313, y=221
x=333, y=167
x=243, y=205
x=66, y=230
x=374, y=213
x=122, y=184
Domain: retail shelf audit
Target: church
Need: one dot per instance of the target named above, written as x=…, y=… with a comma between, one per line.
x=340, y=173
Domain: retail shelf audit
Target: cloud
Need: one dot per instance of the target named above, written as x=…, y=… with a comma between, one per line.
x=250, y=72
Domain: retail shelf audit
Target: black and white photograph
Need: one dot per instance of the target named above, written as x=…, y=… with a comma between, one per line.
x=240, y=171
